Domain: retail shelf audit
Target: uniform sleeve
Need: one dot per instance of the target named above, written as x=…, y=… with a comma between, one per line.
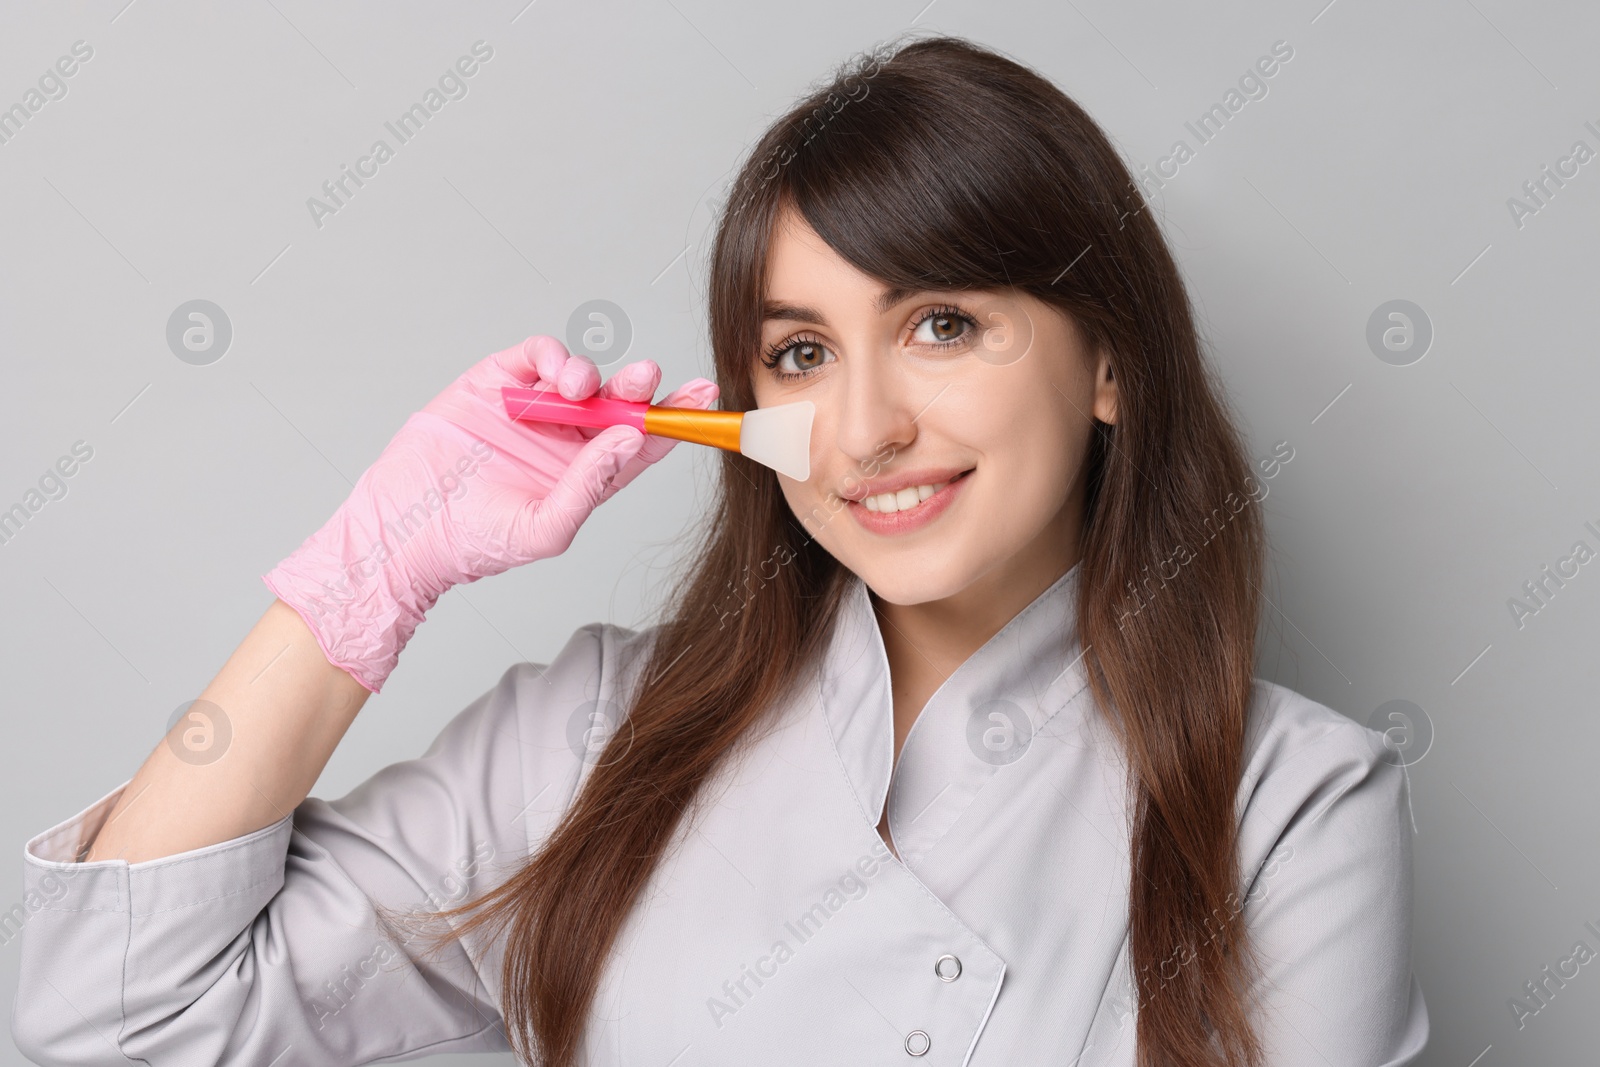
x=1329, y=909
x=267, y=949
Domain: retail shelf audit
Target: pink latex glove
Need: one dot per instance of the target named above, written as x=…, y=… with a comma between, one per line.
x=463, y=492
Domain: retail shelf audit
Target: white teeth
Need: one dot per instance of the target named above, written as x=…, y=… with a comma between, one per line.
x=904, y=499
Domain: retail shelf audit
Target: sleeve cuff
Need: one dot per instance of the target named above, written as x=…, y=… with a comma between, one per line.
x=57, y=880
x=66, y=842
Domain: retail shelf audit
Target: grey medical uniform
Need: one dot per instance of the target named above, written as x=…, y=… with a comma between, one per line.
x=778, y=929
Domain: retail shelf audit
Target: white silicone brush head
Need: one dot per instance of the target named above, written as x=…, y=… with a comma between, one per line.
x=779, y=437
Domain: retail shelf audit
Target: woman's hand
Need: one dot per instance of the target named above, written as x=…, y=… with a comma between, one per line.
x=462, y=492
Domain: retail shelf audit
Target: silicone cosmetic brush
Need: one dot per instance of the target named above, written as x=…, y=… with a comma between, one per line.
x=778, y=437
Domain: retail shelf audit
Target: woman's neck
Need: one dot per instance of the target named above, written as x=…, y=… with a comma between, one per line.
x=926, y=642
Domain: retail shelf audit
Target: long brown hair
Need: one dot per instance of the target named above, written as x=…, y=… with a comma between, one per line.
x=941, y=164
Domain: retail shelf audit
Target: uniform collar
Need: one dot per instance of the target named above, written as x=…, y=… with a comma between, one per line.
x=983, y=720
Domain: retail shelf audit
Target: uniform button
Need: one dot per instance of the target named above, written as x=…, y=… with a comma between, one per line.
x=918, y=1043
x=947, y=967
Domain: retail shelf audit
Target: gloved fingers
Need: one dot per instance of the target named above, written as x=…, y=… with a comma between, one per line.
x=636, y=381
x=544, y=359
x=577, y=378
x=696, y=393
x=527, y=362
x=546, y=527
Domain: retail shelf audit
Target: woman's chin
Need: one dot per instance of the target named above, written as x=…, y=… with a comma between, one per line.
x=912, y=581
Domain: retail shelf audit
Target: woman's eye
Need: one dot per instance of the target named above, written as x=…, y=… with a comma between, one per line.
x=801, y=356
x=943, y=327
x=806, y=355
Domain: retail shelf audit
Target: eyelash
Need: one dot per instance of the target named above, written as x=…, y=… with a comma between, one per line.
x=775, y=352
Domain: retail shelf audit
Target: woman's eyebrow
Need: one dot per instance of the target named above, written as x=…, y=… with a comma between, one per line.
x=778, y=310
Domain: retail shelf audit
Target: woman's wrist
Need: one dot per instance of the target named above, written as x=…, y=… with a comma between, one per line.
x=360, y=601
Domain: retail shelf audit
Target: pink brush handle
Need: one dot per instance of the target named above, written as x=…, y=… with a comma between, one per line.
x=548, y=405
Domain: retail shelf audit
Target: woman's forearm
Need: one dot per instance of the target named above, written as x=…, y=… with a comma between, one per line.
x=286, y=709
x=474, y=479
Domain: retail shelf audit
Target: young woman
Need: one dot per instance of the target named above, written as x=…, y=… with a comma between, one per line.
x=951, y=753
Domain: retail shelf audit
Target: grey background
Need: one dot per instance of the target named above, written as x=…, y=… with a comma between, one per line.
x=579, y=166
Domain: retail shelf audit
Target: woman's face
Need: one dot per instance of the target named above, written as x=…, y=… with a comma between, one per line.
x=972, y=410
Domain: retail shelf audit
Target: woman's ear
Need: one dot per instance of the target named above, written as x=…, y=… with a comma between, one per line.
x=1105, y=390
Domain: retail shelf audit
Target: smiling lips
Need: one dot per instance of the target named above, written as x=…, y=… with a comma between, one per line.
x=906, y=502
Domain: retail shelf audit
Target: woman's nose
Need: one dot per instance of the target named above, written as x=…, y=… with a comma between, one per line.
x=876, y=410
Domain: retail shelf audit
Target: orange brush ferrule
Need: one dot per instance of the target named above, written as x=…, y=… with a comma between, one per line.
x=718, y=428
